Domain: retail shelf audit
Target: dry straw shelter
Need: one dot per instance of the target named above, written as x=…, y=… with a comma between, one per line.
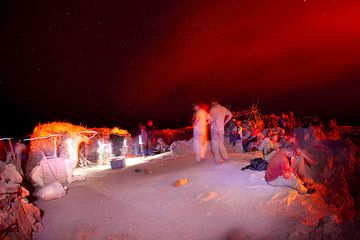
x=57, y=148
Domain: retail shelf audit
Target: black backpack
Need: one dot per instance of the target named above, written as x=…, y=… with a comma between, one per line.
x=257, y=164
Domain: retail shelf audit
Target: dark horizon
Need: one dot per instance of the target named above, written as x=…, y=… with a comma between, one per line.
x=123, y=62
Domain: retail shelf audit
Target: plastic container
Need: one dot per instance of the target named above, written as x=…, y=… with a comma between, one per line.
x=117, y=163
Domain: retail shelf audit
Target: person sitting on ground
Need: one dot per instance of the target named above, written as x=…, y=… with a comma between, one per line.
x=266, y=145
x=269, y=143
x=279, y=172
x=247, y=141
x=236, y=133
x=300, y=163
x=253, y=141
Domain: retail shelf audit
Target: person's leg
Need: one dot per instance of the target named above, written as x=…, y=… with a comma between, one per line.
x=222, y=148
x=142, y=149
x=292, y=182
x=298, y=163
x=233, y=138
x=203, y=146
x=149, y=146
x=307, y=177
x=244, y=145
x=215, y=145
x=197, y=146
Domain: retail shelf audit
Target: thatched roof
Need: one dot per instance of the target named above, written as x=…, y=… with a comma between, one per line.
x=65, y=128
x=46, y=129
x=105, y=132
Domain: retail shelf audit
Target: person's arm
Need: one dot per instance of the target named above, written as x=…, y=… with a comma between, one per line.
x=308, y=160
x=229, y=115
x=286, y=168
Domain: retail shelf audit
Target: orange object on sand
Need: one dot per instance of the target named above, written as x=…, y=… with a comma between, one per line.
x=181, y=182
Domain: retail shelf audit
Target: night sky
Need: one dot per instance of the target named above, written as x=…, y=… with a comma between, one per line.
x=106, y=63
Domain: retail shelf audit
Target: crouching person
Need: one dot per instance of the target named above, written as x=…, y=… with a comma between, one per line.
x=300, y=163
x=279, y=173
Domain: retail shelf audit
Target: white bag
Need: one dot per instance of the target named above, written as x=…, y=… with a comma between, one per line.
x=52, y=191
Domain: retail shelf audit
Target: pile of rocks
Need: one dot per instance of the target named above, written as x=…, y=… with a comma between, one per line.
x=18, y=218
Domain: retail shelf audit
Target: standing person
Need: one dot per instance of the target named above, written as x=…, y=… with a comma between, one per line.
x=219, y=117
x=292, y=122
x=142, y=139
x=200, y=121
x=150, y=137
x=282, y=123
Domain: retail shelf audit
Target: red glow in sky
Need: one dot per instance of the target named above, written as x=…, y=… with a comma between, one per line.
x=264, y=48
x=121, y=62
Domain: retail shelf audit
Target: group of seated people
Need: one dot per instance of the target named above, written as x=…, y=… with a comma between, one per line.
x=256, y=140
x=286, y=164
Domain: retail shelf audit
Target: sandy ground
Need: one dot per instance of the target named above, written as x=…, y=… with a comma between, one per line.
x=219, y=202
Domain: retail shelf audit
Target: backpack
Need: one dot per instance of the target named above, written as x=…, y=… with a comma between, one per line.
x=257, y=164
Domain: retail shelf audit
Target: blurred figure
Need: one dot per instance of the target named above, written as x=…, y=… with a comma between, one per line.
x=150, y=137
x=283, y=121
x=219, y=117
x=143, y=137
x=279, y=173
x=200, y=121
x=292, y=122
x=236, y=133
x=104, y=151
x=20, y=156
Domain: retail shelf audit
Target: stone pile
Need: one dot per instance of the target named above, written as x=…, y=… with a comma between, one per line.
x=18, y=218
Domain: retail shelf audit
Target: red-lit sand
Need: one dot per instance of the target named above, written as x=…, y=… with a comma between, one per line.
x=219, y=202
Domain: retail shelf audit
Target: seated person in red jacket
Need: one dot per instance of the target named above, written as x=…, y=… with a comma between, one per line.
x=279, y=172
x=236, y=133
